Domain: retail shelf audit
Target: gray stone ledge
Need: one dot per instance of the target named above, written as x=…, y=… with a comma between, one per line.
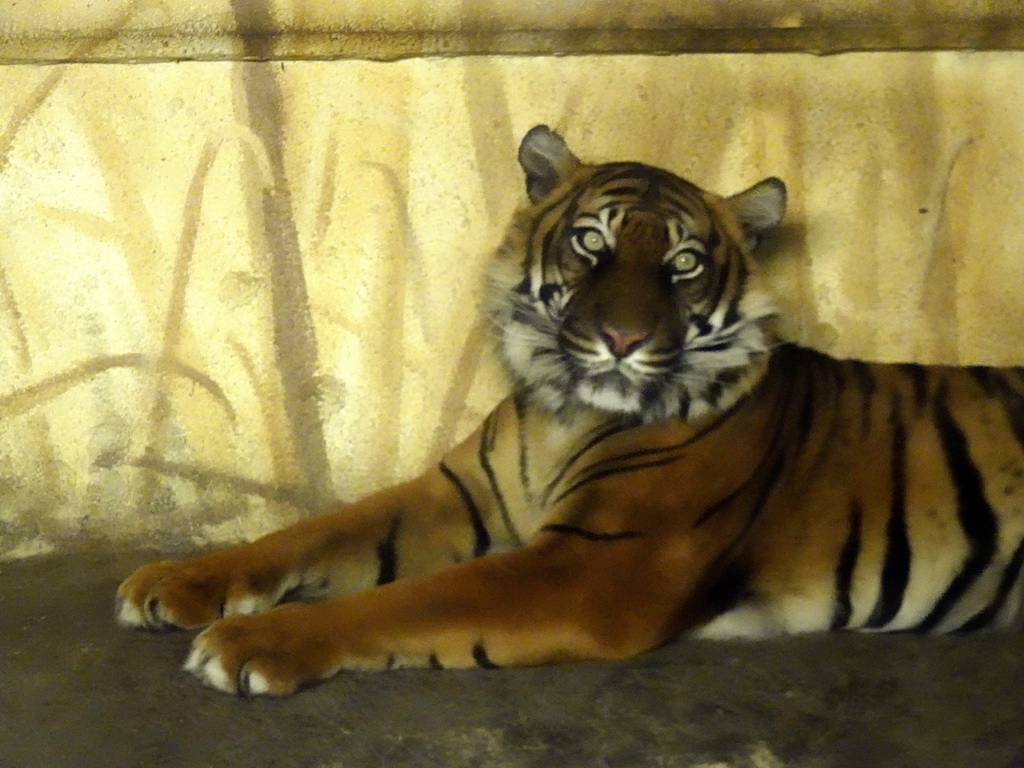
x=78, y=690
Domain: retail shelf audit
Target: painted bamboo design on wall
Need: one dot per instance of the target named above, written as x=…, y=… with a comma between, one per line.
x=232, y=292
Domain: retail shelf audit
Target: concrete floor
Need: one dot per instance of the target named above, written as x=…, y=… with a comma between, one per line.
x=75, y=690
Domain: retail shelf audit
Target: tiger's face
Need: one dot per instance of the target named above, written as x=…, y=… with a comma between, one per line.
x=627, y=289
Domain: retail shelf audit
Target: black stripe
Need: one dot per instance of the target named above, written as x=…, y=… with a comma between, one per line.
x=548, y=291
x=984, y=618
x=545, y=246
x=732, y=315
x=487, y=441
x=713, y=393
x=481, y=658
x=728, y=554
x=650, y=397
x=729, y=376
x=919, y=380
x=524, y=316
x=977, y=518
x=728, y=589
x=549, y=212
x=613, y=172
x=771, y=479
x=685, y=401
x=831, y=385
x=710, y=512
x=481, y=538
x=774, y=459
x=844, y=570
x=292, y=595
x=616, y=464
x=550, y=220
x=778, y=452
x=524, y=476
x=718, y=346
x=896, y=567
x=614, y=471
x=572, y=344
x=700, y=322
x=154, y=621
x=721, y=279
x=807, y=410
x=573, y=530
x=680, y=195
x=1013, y=406
x=536, y=354
x=604, y=431
x=387, y=556
x=980, y=374
x=714, y=240
x=866, y=384
x=620, y=191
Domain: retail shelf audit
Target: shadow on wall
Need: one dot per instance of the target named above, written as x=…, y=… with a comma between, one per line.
x=169, y=450
x=230, y=292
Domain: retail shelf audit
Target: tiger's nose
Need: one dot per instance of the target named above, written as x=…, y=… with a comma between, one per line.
x=621, y=344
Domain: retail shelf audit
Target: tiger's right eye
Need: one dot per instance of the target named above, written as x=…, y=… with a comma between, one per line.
x=589, y=243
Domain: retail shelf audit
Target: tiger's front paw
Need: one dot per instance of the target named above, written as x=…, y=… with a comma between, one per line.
x=273, y=654
x=194, y=593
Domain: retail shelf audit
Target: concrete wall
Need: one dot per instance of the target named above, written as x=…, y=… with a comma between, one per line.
x=232, y=291
x=107, y=30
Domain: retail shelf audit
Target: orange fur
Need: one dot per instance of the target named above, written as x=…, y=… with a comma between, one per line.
x=717, y=487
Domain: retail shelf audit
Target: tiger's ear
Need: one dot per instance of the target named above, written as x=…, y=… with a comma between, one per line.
x=760, y=209
x=546, y=160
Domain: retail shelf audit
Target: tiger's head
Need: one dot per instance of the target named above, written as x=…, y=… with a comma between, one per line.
x=624, y=288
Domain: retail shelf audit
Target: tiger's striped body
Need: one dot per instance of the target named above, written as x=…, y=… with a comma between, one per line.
x=879, y=497
x=659, y=470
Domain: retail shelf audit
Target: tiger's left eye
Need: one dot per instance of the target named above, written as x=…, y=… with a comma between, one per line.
x=592, y=240
x=589, y=244
x=686, y=264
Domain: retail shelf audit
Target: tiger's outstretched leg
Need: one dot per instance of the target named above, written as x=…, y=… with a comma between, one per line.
x=552, y=600
x=412, y=528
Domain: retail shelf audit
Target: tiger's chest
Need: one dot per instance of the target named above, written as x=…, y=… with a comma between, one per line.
x=604, y=474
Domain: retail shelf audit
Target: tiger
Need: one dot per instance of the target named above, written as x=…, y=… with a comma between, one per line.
x=664, y=467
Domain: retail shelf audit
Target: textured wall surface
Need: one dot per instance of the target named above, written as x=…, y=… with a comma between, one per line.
x=232, y=291
x=111, y=30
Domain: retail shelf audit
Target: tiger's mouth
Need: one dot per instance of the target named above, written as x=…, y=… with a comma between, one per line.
x=623, y=375
x=649, y=363
x=616, y=380
x=671, y=375
x=625, y=385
